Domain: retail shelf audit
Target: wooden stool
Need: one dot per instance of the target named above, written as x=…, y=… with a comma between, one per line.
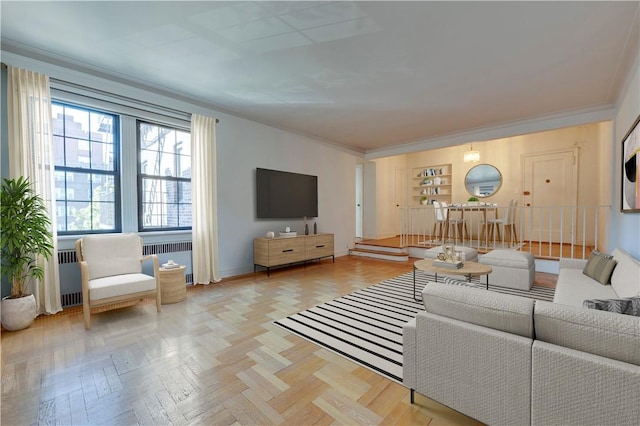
x=173, y=287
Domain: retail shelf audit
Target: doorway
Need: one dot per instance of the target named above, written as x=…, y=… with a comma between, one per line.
x=359, y=186
x=549, y=184
x=399, y=197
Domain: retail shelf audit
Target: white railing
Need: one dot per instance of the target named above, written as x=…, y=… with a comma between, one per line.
x=547, y=232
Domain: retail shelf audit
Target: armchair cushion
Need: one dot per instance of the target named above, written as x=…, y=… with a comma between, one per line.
x=110, y=255
x=119, y=285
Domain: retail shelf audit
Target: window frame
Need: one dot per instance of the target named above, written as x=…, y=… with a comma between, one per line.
x=115, y=173
x=141, y=176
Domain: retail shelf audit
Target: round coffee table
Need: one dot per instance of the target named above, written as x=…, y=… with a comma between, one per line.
x=468, y=269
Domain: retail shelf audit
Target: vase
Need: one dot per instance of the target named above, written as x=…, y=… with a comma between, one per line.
x=18, y=313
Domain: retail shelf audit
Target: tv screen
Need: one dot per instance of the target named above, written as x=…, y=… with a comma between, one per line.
x=283, y=195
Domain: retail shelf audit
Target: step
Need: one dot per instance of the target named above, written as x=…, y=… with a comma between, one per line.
x=385, y=249
x=380, y=254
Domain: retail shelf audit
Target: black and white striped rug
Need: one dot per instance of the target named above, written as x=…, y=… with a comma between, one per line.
x=366, y=325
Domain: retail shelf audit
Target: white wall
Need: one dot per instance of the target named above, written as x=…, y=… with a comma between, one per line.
x=370, y=201
x=625, y=228
x=506, y=154
x=242, y=146
x=386, y=198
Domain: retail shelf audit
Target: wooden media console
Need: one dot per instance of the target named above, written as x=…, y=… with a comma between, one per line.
x=270, y=252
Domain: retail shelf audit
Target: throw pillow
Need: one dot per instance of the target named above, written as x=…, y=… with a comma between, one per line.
x=605, y=255
x=453, y=281
x=626, y=306
x=599, y=267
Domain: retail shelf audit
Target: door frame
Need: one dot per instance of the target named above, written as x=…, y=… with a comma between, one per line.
x=573, y=200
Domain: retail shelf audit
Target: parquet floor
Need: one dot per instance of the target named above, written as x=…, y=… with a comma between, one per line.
x=213, y=359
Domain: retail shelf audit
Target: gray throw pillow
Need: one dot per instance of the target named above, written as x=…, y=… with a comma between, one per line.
x=626, y=306
x=599, y=267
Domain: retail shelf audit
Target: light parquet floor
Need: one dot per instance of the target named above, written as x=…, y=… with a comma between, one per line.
x=214, y=359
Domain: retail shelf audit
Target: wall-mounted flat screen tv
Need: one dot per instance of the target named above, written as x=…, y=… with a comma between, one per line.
x=282, y=195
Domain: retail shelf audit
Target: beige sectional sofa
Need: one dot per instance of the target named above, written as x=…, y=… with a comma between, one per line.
x=508, y=360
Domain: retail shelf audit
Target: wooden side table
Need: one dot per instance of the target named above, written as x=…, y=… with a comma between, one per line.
x=173, y=287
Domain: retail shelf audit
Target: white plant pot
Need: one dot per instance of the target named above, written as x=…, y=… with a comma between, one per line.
x=18, y=313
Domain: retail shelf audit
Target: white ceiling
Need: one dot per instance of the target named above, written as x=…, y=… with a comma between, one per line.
x=364, y=75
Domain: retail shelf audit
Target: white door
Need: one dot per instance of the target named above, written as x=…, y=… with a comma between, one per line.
x=549, y=184
x=359, y=185
x=399, y=197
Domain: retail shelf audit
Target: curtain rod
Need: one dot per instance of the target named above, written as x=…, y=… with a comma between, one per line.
x=121, y=97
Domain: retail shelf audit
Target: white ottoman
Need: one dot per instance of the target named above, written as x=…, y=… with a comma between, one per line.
x=511, y=268
x=468, y=253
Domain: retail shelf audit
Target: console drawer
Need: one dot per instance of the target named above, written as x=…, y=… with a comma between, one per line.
x=279, y=251
x=320, y=245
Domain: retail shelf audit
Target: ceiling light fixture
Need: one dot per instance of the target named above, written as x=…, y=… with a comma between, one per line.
x=471, y=156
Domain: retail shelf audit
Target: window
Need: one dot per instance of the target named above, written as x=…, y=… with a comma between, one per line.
x=164, y=177
x=86, y=169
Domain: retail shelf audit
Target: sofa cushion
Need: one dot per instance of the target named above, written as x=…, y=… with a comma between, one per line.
x=503, y=312
x=114, y=254
x=625, y=306
x=573, y=287
x=596, y=332
x=625, y=279
x=599, y=267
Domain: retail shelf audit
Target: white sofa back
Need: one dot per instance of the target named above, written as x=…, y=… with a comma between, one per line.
x=606, y=334
x=625, y=278
x=503, y=312
x=112, y=254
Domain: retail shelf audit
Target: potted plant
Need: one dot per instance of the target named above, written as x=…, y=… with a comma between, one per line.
x=26, y=238
x=424, y=200
x=473, y=201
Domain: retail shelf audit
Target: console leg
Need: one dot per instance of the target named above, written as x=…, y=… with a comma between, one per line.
x=412, y=396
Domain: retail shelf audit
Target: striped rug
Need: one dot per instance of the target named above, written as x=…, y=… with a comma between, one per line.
x=366, y=325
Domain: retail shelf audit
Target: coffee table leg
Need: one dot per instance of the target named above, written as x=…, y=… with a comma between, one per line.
x=414, y=284
x=487, y=281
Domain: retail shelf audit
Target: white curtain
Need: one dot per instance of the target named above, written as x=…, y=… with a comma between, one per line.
x=31, y=155
x=204, y=205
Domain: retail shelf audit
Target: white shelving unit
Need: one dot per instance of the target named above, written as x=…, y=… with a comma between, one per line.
x=431, y=183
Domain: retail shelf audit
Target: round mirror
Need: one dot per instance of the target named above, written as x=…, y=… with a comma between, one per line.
x=483, y=180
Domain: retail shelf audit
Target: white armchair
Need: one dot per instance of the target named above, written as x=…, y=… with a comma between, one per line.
x=111, y=271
